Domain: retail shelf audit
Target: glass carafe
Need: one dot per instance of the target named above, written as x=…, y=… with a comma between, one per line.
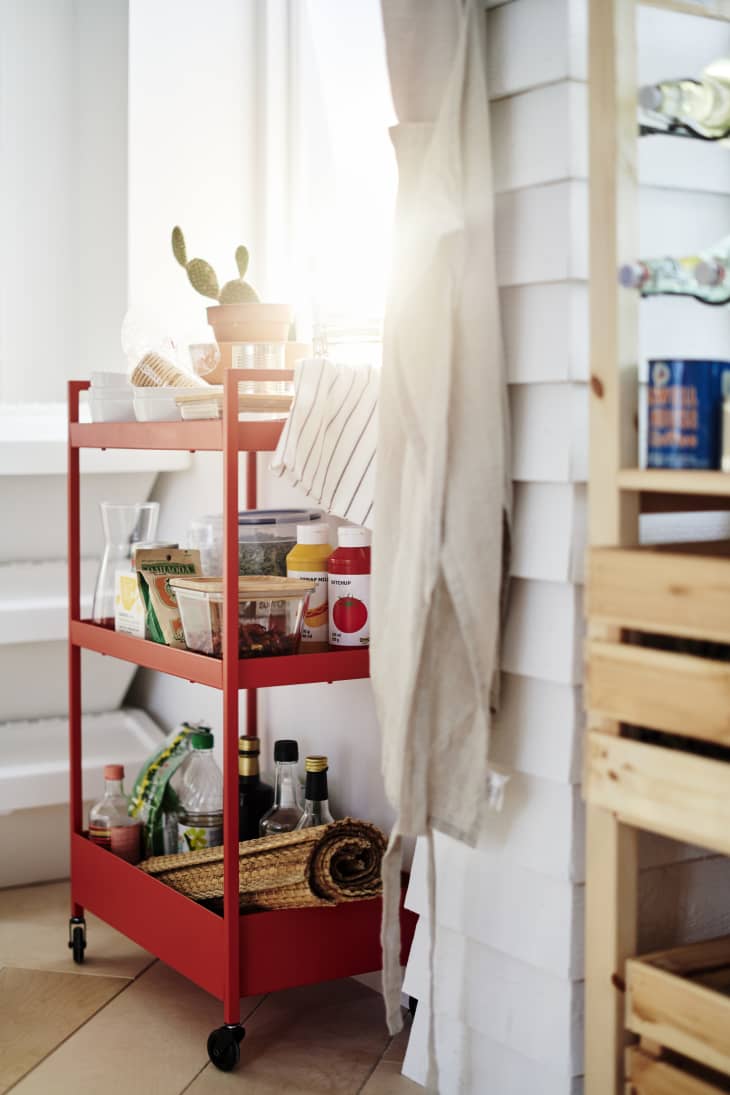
x=124, y=527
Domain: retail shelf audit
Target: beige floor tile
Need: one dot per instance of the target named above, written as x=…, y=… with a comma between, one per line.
x=396, y=1048
x=317, y=1040
x=387, y=1080
x=39, y=1009
x=34, y=934
x=150, y=1038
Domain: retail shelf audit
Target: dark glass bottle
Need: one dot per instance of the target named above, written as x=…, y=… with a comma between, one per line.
x=287, y=809
x=316, y=796
x=254, y=796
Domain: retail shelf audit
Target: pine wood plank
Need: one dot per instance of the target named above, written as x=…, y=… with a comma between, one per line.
x=681, y=1014
x=611, y=848
x=665, y=592
x=663, y=790
x=664, y=691
x=646, y=1076
x=39, y=1010
x=675, y=481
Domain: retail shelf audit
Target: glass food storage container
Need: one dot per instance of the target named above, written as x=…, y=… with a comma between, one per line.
x=270, y=614
x=265, y=538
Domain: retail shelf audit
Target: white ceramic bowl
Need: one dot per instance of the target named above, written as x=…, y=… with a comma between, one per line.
x=111, y=407
x=109, y=380
x=158, y=404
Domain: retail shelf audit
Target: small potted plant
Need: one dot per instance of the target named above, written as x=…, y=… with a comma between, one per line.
x=239, y=315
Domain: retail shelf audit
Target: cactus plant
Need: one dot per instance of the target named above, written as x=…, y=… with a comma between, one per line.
x=203, y=277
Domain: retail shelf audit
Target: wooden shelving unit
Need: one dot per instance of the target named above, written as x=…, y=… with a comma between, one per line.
x=676, y=1002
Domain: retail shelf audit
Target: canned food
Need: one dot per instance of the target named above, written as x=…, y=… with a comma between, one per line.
x=685, y=411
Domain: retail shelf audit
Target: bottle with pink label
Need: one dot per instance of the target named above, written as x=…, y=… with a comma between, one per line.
x=348, y=571
x=110, y=825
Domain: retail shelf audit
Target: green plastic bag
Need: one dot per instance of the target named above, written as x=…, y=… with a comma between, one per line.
x=152, y=798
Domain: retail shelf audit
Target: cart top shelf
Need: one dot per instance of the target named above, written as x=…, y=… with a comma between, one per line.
x=205, y=436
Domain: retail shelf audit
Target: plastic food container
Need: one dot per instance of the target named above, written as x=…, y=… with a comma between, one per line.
x=265, y=538
x=158, y=404
x=111, y=404
x=270, y=614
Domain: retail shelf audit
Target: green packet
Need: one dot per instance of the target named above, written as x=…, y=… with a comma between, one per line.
x=152, y=797
x=155, y=567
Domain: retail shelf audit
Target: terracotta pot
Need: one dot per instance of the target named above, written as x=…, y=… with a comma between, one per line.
x=252, y=322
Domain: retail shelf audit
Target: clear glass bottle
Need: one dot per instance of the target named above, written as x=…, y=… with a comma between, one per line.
x=673, y=277
x=110, y=825
x=198, y=784
x=125, y=526
x=284, y=815
x=316, y=797
x=255, y=798
x=702, y=105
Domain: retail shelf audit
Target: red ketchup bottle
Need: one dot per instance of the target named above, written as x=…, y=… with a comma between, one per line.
x=348, y=570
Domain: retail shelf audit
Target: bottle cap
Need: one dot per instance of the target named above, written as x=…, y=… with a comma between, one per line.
x=316, y=764
x=246, y=746
x=201, y=739
x=353, y=536
x=286, y=751
x=113, y=771
x=317, y=533
x=631, y=275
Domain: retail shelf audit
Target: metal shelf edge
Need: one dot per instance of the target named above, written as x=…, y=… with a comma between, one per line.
x=204, y=436
x=327, y=667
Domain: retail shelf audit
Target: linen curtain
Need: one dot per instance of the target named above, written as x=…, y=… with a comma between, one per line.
x=442, y=492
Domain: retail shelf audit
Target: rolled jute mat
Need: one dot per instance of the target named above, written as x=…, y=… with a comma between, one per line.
x=326, y=865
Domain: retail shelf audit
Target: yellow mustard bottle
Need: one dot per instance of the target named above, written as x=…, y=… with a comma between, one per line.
x=309, y=560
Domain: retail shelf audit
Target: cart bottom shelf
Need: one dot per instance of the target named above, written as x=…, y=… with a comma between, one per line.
x=278, y=950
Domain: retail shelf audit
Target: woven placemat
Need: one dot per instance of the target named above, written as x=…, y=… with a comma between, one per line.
x=321, y=866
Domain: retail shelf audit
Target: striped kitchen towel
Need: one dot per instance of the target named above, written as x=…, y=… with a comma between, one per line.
x=327, y=447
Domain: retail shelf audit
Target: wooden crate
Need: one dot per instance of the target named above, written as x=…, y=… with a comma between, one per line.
x=668, y=591
x=678, y=693
x=663, y=790
x=648, y=1076
x=680, y=1000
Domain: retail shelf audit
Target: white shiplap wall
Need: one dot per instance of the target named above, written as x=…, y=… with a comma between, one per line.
x=509, y=953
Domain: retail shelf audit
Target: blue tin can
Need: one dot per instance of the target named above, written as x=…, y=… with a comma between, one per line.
x=685, y=411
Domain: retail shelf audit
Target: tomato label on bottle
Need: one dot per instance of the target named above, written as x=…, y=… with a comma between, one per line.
x=349, y=609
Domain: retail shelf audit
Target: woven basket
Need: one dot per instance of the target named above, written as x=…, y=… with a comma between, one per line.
x=322, y=866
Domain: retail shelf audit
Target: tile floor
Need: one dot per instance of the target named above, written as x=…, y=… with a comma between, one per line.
x=124, y=1022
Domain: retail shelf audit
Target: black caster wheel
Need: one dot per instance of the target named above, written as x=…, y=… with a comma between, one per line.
x=77, y=938
x=412, y=1005
x=224, y=1046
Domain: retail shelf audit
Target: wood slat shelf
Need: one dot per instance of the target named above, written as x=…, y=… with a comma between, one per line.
x=710, y=484
x=646, y=1075
x=665, y=791
x=327, y=667
x=680, y=1000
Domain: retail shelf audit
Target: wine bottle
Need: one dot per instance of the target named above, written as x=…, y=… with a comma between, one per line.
x=255, y=797
x=701, y=105
x=316, y=795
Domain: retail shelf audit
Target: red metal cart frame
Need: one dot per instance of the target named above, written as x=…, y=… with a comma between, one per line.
x=233, y=955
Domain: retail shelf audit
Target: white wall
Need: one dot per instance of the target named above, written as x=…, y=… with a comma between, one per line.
x=63, y=192
x=191, y=162
x=509, y=936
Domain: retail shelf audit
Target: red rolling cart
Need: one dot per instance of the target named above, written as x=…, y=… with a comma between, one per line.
x=233, y=955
